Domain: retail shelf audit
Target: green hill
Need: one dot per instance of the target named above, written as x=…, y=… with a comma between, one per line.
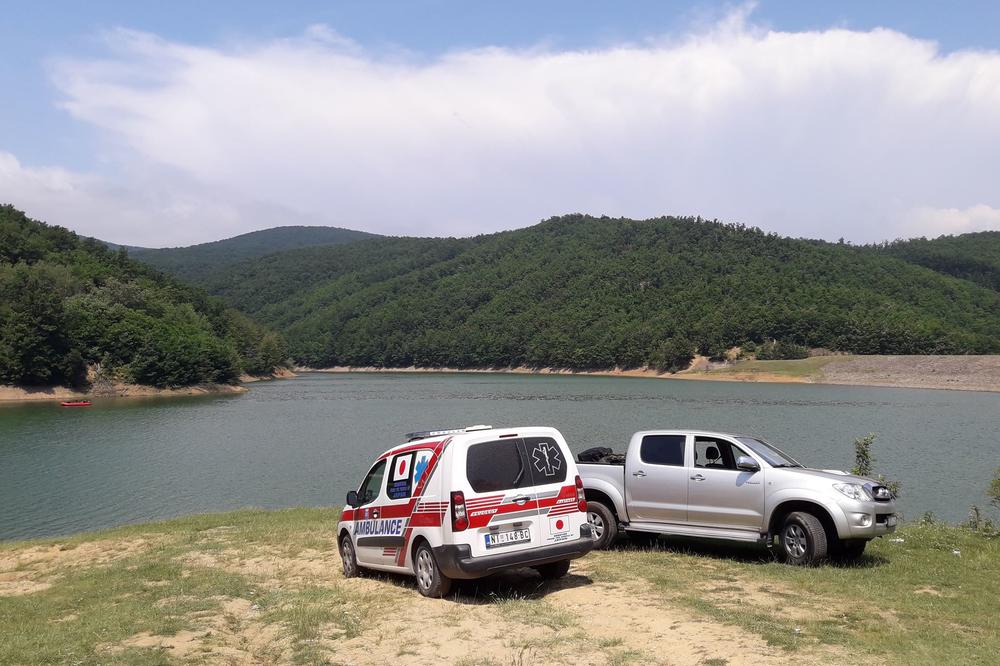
x=68, y=303
x=583, y=292
x=974, y=257
x=197, y=262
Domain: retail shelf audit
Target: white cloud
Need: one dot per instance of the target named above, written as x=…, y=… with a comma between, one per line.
x=822, y=134
x=154, y=208
x=935, y=221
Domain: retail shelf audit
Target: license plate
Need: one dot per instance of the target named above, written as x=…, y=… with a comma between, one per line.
x=497, y=539
x=890, y=521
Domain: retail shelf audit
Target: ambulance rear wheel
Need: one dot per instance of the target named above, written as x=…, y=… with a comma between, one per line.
x=553, y=570
x=348, y=557
x=430, y=581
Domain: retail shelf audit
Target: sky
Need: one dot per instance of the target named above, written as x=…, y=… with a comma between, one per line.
x=166, y=124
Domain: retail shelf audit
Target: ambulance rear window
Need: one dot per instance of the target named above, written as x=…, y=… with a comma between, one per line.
x=496, y=466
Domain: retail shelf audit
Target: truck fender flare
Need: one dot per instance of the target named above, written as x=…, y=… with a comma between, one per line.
x=801, y=496
x=598, y=490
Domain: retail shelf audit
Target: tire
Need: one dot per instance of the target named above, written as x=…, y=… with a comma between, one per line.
x=603, y=525
x=803, y=539
x=643, y=539
x=348, y=557
x=849, y=551
x=553, y=570
x=430, y=581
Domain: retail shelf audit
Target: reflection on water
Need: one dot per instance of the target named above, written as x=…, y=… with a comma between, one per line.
x=306, y=441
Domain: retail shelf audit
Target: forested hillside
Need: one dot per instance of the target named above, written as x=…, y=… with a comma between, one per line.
x=583, y=292
x=68, y=303
x=974, y=257
x=198, y=262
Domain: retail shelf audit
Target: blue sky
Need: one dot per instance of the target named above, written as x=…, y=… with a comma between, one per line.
x=61, y=130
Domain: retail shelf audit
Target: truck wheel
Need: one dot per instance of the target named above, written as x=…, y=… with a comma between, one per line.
x=430, y=581
x=348, y=557
x=849, y=551
x=553, y=570
x=803, y=540
x=603, y=525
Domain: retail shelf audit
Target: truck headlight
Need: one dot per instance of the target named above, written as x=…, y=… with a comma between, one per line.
x=853, y=490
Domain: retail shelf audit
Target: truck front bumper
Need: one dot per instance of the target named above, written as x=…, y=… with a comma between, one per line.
x=456, y=561
x=867, y=520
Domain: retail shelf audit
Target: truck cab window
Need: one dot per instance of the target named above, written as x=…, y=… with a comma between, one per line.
x=663, y=450
x=372, y=485
x=713, y=453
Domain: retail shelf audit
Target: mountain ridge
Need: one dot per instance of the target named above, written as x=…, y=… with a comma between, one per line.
x=196, y=262
x=582, y=292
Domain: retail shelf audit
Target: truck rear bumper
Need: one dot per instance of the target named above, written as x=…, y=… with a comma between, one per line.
x=456, y=561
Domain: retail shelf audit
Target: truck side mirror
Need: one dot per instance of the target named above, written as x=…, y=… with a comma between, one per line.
x=352, y=498
x=747, y=464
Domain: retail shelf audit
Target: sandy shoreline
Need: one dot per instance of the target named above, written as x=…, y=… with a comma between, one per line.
x=961, y=373
x=955, y=373
x=120, y=390
x=29, y=394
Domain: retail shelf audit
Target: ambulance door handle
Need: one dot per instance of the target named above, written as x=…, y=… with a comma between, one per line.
x=639, y=473
x=521, y=499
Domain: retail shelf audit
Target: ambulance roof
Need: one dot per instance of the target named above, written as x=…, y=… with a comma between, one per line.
x=415, y=440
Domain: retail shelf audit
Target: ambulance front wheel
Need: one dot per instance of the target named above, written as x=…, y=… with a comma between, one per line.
x=430, y=581
x=348, y=557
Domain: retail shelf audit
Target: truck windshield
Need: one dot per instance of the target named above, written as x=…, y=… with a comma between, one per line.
x=775, y=457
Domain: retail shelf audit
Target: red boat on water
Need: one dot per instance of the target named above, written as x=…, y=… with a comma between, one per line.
x=75, y=403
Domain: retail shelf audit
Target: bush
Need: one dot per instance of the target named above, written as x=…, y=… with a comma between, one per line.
x=864, y=463
x=672, y=355
x=781, y=350
x=994, y=489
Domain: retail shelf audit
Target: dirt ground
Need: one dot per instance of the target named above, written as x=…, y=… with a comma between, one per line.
x=968, y=373
x=516, y=618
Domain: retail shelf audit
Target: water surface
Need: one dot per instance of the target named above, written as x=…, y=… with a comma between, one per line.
x=306, y=441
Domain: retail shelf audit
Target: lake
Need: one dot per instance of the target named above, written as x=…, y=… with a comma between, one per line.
x=306, y=441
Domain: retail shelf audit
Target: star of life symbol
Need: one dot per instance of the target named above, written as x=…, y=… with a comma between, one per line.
x=547, y=459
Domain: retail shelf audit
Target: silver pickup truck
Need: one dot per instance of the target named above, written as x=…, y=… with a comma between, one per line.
x=721, y=486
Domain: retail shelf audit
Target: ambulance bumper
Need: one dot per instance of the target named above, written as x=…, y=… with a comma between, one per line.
x=457, y=561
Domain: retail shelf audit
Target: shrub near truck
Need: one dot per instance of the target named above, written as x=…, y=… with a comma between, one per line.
x=723, y=486
x=466, y=503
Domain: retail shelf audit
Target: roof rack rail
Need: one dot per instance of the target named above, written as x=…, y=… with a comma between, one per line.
x=423, y=434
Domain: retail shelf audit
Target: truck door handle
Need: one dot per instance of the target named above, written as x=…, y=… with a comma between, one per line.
x=639, y=473
x=521, y=499
x=697, y=477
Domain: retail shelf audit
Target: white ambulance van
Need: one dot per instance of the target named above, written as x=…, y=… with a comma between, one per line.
x=467, y=503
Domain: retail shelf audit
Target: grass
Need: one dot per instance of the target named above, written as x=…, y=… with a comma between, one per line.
x=913, y=602
x=90, y=610
x=797, y=368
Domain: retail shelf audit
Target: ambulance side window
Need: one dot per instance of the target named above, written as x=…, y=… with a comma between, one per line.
x=372, y=485
x=497, y=466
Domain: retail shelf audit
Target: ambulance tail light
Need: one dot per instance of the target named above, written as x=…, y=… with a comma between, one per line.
x=581, y=498
x=459, y=516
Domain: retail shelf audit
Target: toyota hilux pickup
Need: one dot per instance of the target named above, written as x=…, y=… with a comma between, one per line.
x=721, y=486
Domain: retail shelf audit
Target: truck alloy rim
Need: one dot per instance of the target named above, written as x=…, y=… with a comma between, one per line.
x=425, y=569
x=596, y=524
x=795, y=541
